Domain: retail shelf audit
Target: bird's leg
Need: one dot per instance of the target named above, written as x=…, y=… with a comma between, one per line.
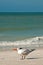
x=24, y=56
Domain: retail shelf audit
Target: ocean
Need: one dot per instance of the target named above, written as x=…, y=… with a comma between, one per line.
x=17, y=26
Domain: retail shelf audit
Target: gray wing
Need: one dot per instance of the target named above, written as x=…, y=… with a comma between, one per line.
x=27, y=51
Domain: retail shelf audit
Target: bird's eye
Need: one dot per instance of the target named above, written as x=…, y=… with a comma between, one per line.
x=20, y=48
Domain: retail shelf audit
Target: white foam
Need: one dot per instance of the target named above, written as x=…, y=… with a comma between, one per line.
x=35, y=40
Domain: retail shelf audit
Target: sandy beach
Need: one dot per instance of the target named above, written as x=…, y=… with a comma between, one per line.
x=12, y=58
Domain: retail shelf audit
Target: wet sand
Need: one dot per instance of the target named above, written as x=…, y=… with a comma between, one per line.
x=12, y=58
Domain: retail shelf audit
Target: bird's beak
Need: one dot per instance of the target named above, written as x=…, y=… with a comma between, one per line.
x=15, y=49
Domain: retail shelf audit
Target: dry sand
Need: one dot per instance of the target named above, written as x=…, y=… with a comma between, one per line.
x=12, y=58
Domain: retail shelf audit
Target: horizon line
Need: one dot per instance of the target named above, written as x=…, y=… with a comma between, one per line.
x=21, y=11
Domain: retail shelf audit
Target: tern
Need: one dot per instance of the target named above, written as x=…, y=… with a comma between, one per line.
x=24, y=52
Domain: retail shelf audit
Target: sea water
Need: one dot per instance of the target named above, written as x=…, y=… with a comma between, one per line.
x=19, y=26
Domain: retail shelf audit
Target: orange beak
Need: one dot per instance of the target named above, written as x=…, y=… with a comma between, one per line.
x=15, y=49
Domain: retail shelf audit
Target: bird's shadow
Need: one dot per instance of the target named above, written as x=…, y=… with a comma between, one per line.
x=34, y=58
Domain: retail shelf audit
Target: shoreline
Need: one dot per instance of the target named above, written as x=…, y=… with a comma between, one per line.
x=33, y=43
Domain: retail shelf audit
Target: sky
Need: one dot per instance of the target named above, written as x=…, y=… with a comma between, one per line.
x=21, y=5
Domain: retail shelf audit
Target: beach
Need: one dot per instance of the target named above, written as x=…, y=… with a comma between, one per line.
x=24, y=30
x=12, y=58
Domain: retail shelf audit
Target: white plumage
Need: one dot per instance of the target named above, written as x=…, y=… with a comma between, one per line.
x=20, y=51
x=24, y=52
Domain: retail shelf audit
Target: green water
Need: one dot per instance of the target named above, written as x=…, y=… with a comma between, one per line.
x=20, y=25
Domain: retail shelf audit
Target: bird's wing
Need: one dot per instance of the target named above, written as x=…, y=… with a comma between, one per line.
x=26, y=51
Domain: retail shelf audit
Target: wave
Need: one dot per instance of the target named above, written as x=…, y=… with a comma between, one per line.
x=28, y=42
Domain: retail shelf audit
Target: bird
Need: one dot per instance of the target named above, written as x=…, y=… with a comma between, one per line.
x=24, y=52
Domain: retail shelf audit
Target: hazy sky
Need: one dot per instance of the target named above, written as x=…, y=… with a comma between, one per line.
x=21, y=5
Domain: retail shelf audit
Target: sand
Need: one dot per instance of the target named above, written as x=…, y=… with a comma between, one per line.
x=12, y=58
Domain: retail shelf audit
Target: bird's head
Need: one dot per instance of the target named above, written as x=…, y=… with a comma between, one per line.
x=18, y=49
